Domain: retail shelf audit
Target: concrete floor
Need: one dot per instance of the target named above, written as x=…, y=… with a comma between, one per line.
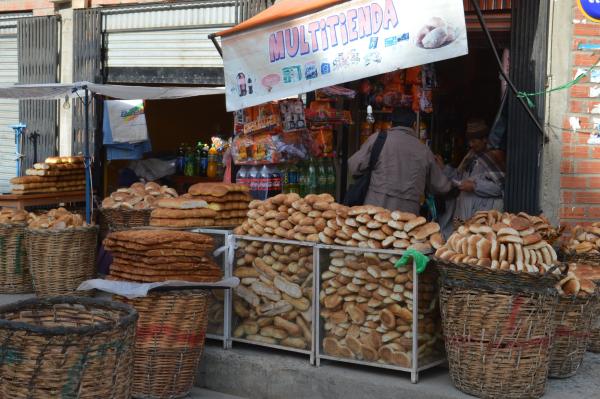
x=260, y=373
x=250, y=372
x=201, y=393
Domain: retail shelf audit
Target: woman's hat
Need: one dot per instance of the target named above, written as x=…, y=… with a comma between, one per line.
x=477, y=129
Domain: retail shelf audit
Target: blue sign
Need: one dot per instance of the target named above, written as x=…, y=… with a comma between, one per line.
x=591, y=9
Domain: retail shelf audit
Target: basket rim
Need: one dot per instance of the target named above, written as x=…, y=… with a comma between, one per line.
x=103, y=210
x=499, y=272
x=131, y=316
x=61, y=231
x=17, y=224
x=513, y=281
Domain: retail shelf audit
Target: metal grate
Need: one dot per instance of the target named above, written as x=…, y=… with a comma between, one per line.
x=528, y=71
x=87, y=66
x=38, y=46
x=248, y=8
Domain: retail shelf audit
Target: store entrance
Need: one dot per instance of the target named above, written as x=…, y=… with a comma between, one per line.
x=468, y=87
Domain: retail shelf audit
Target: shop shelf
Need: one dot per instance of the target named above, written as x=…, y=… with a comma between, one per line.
x=353, y=321
x=281, y=318
x=219, y=307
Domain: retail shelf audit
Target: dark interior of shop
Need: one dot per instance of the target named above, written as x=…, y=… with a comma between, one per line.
x=175, y=122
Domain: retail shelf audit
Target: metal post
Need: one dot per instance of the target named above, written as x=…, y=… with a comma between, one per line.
x=86, y=157
x=414, y=375
x=19, y=130
x=213, y=38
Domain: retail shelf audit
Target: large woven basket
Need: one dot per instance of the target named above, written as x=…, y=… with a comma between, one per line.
x=594, y=260
x=66, y=347
x=60, y=260
x=573, y=318
x=169, y=342
x=498, y=328
x=14, y=270
x=125, y=219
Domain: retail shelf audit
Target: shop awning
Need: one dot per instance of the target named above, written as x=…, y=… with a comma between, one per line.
x=54, y=91
x=296, y=46
x=281, y=10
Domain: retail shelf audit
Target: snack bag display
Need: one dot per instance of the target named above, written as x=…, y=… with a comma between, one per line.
x=292, y=115
x=321, y=141
x=262, y=117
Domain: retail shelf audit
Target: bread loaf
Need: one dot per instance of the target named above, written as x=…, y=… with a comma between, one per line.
x=279, y=298
x=371, y=321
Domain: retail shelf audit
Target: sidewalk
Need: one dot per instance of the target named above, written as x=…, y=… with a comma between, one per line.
x=257, y=373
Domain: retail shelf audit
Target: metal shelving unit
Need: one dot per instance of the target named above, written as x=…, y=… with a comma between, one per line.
x=315, y=352
x=224, y=257
x=415, y=367
x=309, y=352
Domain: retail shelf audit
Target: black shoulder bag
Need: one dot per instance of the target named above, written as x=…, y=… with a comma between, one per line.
x=357, y=192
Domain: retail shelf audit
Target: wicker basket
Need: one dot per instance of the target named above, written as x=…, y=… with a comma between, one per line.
x=169, y=342
x=594, y=260
x=60, y=260
x=573, y=318
x=125, y=219
x=498, y=328
x=14, y=270
x=66, y=347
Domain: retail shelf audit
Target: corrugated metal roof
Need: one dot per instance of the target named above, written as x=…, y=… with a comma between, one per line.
x=203, y=13
x=163, y=48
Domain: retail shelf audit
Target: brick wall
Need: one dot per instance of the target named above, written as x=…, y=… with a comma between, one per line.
x=39, y=7
x=580, y=165
x=97, y=3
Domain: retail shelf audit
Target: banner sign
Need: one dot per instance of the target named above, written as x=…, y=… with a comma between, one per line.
x=350, y=41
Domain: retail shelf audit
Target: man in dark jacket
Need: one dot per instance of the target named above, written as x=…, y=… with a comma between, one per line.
x=405, y=170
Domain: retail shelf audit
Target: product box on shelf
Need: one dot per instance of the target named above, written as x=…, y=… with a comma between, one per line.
x=372, y=313
x=274, y=304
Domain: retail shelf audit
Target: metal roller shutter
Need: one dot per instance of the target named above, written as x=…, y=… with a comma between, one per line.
x=9, y=109
x=165, y=42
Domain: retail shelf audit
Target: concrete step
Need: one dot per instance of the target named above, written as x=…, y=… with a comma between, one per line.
x=201, y=393
x=261, y=373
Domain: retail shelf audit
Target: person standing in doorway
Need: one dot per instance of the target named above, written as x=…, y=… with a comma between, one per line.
x=479, y=177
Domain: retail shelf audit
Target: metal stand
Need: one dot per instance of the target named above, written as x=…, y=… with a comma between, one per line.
x=86, y=158
x=311, y=351
x=226, y=254
x=319, y=329
x=19, y=130
x=315, y=352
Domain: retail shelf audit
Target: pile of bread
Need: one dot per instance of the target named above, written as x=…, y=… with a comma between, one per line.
x=540, y=223
x=510, y=244
x=579, y=281
x=287, y=216
x=138, y=196
x=367, y=309
x=230, y=201
x=216, y=312
x=584, y=240
x=13, y=216
x=204, y=205
x=273, y=303
x=377, y=228
x=56, y=174
x=161, y=255
x=56, y=219
x=317, y=218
